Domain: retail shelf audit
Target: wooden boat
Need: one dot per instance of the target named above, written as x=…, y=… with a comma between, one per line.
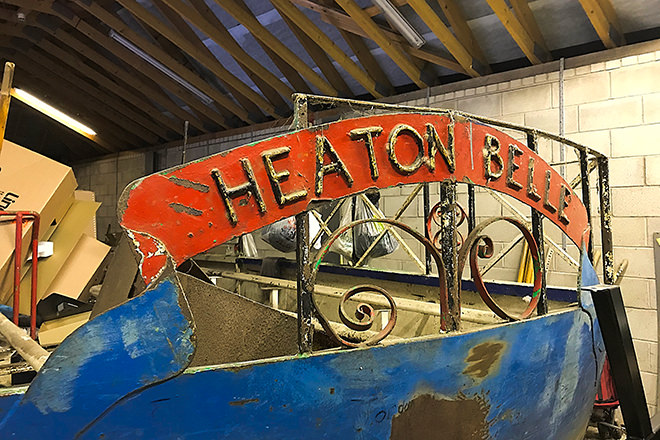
x=186, y=359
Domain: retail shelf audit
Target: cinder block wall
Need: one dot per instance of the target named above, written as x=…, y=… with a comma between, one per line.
x=612, y=104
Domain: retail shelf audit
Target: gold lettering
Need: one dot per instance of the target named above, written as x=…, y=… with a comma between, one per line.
x=276, y=178
x=391, y=153
x=546, y=196
x=249, y=187
x=336, y=165
x=564, y=199
x=531, y=187
x=367, y=134
x=435, y=145
x=492, y=154
x=512, y=166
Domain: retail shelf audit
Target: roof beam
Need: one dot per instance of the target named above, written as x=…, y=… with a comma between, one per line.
x=392, y=49
x=205, y=59
x=216, y=31
x=320, y=58
x=533, y=50
x=462, y=30
x=158, y=54
x=112, y=131
x=368, y=61
x=286, y=8
x=603, y=17
x=526, y=16
x=472, y=66
x=244, y=16
x=275, y=90
x=141, y=86
x=105, y=139
x=102, y=81
x=122, y=117
x=345, y=22
x=144, y=70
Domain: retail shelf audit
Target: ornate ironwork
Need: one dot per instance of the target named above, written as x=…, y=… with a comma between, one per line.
x=364, y=312
x=480, y=245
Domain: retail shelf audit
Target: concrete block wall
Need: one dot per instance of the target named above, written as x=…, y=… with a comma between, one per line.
x=611, y=103
x=107, y=177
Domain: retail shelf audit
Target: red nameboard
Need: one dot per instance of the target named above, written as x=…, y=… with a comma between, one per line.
x=194, y=207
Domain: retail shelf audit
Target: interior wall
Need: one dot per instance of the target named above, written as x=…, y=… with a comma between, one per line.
x=611, y=103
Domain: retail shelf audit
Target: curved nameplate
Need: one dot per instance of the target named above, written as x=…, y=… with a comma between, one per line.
x=193, y=207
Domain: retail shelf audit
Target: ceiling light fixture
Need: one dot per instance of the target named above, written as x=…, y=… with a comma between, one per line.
x=51, y=111
x=397, y=20
x=149, y=59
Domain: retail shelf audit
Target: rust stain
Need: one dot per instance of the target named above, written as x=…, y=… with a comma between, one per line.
x=429, y=417
x=243, y=402
x=483, y=359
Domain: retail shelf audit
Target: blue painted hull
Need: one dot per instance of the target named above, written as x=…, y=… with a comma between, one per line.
x=531, y=386
x=536, y=380
x=124, y=375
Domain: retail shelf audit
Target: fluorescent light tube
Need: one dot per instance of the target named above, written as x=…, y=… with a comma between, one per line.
x=149, y=59
x=51, y=111
x=400, y=23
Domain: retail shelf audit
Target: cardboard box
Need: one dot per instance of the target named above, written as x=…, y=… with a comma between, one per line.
x=64, y=239
x=55, y=331
x=29, y=182
x=79, y=268
x=87, y=196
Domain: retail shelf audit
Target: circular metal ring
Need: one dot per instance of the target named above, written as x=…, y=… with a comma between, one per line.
x=478, y=245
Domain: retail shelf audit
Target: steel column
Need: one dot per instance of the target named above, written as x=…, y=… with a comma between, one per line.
x=586, y=195
x=449, y=251
x=537, y=233
x=606, y=220
x=305, y=288
x=472, y=216
x=427, y=211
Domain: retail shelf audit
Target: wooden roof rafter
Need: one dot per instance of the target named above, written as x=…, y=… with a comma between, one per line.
x=533, y=50
x=391, y=48
x=117, y=25
x=69, y=101
x=462, y=30
x=345, y=22
x=299, y=19
x=604, y=19
x=205, y=59
x=472, y=66
x=101, y=101
x=142, y=69
x=143, y=91
x=241, y=13
x=208, y=23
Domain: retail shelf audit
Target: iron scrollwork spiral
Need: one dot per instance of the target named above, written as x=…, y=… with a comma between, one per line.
x=480, y=245
x=435, y=216
x=365, y=313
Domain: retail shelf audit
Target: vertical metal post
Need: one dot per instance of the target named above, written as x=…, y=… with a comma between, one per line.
x=606, y=219
x=427, y=211
x=586, y=195
x=305, y=306
x=472, y=216
x=449, y=253
x=537, y=233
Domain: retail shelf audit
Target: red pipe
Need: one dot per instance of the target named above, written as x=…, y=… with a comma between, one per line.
x=19, y=217
x=18, y=257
